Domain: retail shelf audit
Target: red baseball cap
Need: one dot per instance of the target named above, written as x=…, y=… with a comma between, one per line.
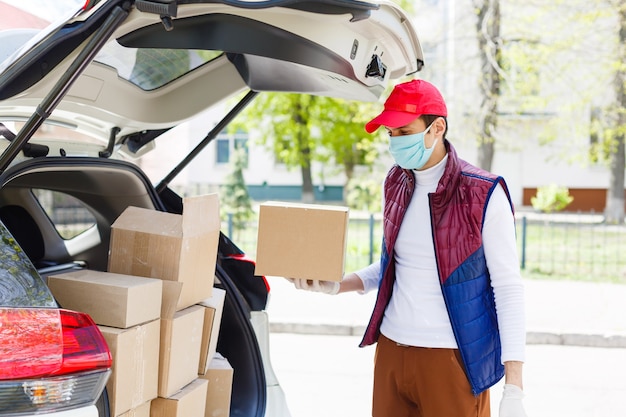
x=407, y=102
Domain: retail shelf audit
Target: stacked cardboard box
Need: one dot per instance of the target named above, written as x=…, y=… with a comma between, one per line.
x=213, y=367
x=134, y=379
x=158, y=311
x=213, y=308
x=187, y=402
x=141, y=411
x=127, y=310
x=180, y=250
x=219, y=373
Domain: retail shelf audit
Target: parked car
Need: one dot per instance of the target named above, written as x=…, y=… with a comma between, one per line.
x=82, y=100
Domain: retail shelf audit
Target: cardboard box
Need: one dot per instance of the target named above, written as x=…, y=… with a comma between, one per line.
x=179, y=248
x=134, y=377
x=181, y=337
x=188, y=402
x=220, y=377
x=110, y=299
x=302, y=241
x=142, y=411
x=213, y=308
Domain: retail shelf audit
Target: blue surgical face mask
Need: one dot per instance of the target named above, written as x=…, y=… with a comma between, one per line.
x=409, y=151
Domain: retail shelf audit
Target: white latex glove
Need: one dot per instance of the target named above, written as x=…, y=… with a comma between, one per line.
x=326, y=287
x=511, y=403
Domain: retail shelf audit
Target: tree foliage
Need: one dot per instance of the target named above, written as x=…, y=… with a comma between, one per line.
x=301, y=129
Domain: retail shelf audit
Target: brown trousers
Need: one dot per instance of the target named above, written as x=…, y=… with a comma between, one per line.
x=423, y=382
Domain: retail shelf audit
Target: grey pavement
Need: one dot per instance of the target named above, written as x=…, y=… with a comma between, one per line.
x=575, y=364
x=559, y=312
x=331, y=376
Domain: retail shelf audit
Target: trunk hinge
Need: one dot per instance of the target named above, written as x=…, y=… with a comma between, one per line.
x=166, y=9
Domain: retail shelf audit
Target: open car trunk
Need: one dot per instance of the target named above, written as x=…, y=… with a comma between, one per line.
x=92, y=183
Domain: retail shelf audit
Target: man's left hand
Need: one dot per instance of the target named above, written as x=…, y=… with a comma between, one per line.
x=511, y=403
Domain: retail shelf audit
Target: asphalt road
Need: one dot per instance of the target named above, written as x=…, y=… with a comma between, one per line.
x=330, y=376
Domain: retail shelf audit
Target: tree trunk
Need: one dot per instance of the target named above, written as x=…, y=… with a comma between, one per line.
x=490, y=47
x=349, y=172
x=614, y=210
x=308, y=194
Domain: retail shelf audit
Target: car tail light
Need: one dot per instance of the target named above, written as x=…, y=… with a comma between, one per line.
x=50, y=360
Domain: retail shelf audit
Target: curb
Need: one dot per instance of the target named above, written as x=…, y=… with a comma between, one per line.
x=576, y=339
x=532, y=337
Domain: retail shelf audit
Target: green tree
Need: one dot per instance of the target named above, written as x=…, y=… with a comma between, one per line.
x=234, y=195
x=286, y=128
x=301, y=129
x=344, y=141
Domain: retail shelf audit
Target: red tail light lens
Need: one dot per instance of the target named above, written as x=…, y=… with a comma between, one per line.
x=84, y=347
x=50, y=360
x=42, y=342
x=30, y=342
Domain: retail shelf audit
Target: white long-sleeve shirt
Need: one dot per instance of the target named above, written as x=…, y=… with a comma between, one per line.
x=416, y=314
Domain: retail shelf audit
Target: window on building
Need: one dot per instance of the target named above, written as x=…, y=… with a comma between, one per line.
x=226, y=143
x=223, y=150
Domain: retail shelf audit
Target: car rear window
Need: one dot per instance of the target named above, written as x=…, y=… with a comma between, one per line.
x=68, y=214
x=150, y=69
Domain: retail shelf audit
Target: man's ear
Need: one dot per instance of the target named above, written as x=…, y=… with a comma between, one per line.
x=439, y=126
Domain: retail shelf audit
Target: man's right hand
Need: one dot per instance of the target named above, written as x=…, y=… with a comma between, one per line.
x=325, y=287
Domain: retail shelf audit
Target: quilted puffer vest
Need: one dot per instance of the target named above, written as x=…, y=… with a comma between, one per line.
x=457, y=210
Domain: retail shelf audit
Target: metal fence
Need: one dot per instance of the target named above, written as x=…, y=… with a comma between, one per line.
x=578, y=246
